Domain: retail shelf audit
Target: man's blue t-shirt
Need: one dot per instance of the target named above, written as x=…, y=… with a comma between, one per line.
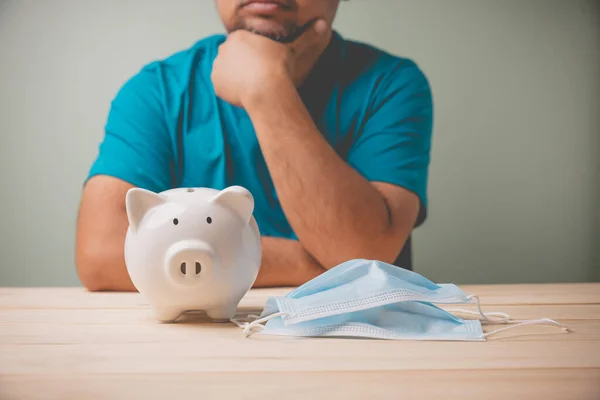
x=166, y=128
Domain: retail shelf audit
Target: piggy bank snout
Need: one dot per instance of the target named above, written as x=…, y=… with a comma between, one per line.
x=188, y=261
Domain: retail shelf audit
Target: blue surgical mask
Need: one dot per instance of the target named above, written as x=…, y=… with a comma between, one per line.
x=359, y=285
x=374, y=299
x=410, y=320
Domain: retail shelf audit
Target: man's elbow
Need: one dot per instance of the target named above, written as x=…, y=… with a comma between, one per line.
x=91, y=275
x=92, y=269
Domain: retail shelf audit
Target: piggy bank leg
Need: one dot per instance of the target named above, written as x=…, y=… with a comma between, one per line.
x=222, y=314
x=167, y=315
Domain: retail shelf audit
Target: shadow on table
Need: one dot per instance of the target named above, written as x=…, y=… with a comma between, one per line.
x=199, y=317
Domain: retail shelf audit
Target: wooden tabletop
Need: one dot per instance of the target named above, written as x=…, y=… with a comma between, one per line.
x=66, y=343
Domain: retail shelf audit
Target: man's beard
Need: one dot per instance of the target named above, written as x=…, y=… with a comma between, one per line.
x=288, y=33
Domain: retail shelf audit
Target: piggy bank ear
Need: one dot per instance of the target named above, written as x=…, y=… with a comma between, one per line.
x=238, y=199
x=138, y=202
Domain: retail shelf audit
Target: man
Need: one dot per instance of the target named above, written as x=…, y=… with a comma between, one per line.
x=332, y=137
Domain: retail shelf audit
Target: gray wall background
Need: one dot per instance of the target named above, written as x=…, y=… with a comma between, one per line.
x=515, y=178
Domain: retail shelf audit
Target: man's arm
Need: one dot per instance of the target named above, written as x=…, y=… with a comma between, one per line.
x=362, y=207
x=136, y=152
x=336, y=213
x=100, y=235
x=102, y=224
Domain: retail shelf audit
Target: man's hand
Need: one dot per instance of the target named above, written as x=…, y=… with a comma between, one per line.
x=285, y=262
x=249, y=65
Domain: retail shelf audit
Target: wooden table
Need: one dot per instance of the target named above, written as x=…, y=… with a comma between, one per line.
x=71, y=344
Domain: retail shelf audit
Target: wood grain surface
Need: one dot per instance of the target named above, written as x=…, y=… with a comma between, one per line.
x=66, y=343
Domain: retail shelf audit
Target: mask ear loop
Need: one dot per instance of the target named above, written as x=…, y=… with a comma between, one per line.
x=542, y=321
x=501, y=318
x=504, y=319
x=256, y=323
x=240, y=324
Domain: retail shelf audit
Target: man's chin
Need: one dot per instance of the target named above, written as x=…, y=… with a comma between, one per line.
x=270, y=35
x=270, y=29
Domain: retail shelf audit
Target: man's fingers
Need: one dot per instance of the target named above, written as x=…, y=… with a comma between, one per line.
x=311, y=37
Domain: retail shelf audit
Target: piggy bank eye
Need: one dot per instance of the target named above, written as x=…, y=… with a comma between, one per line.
x=209, y=220
x=175, y=221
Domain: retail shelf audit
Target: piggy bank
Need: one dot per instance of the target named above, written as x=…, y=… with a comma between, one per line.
x=192, y=249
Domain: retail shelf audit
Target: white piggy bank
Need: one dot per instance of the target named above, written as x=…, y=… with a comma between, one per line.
x=192, y=249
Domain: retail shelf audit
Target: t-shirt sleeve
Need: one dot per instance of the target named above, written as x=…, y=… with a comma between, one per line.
x=394, y=145
x=136, y=146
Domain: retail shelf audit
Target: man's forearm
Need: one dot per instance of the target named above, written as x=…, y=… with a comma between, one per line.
x=99, y=250
x=285, y=263
x=335, y=212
